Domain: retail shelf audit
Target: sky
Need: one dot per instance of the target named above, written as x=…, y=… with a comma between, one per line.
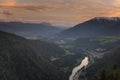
x=57, y=12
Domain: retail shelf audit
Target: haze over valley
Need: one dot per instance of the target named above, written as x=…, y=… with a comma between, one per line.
x=59, y=40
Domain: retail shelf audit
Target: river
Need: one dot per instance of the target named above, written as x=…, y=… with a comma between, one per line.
x=76, y=71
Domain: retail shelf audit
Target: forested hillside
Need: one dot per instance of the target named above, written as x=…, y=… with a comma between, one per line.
x=107, y=68
x=19, y=61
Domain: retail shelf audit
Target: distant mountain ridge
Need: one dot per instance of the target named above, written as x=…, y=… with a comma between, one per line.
x=33, y=29
x=99, y=26
x=108, y=18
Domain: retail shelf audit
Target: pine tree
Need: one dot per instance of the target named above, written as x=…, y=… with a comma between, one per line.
x=103, y=75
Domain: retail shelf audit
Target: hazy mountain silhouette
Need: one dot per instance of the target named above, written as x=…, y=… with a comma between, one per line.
x=32, y=29
x=99, y=26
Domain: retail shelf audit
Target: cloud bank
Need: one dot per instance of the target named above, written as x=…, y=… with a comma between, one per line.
x=62, y=12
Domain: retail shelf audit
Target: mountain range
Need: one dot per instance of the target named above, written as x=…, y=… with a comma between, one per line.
x=30, y=29
x=99, y=26
x=28, y=59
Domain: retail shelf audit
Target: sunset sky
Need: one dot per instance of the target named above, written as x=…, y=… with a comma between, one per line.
x=58, y=12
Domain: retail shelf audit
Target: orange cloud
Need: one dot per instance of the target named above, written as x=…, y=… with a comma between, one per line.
x=114, y=10
x=60, y=11
x=7, y=2
x=116, y=3
x=7, y=13
x=31, y=7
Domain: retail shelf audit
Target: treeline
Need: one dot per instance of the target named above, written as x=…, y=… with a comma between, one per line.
x=114, y=74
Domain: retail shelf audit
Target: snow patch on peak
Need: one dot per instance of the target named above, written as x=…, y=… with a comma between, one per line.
x=107, y=18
